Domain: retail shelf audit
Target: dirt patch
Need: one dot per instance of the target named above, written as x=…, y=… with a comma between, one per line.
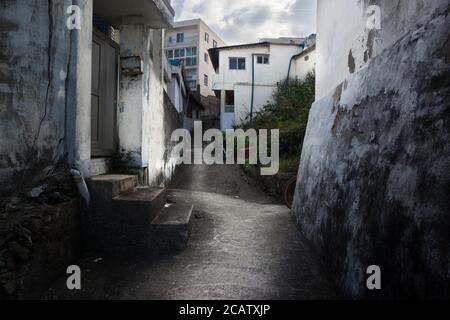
x=39, y=234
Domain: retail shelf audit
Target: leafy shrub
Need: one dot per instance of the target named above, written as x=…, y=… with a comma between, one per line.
x=289, y=112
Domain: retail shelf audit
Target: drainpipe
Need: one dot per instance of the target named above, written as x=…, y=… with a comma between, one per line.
x=289, y=70
x=290, y=63
x=253, y=88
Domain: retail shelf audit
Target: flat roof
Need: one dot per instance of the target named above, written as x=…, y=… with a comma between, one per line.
x=306, y=51
x=214, y=52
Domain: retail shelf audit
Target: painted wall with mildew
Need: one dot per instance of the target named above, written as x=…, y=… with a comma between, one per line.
x=345, y=44
x=38, y=112
x=374, y=176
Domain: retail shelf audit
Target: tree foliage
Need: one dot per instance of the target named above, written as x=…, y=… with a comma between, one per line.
x=289, y=112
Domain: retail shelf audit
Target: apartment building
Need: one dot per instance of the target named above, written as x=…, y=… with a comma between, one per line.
x=247, y=75
x=187, y=44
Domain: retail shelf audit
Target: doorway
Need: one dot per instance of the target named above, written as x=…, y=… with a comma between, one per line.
x=105, y=57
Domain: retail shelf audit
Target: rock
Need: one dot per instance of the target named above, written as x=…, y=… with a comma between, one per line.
x=48, y=219
x=48, y=170
x=38, y=191
x=28, y=241
x=15, y=201
x=11, y=262
x=9, y=288
x=36, y=225
x=19, y=251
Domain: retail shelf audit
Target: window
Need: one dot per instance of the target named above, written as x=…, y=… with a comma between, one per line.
x=191, y=74
x=262, y=59
x=214, y=43
x=178, y=53
x=205, y=80
x=229, y=98
x=170, y=39
x=186, y=56
x=206, y=57
x=180, y=37
x=192, y=85
x=206, y=37
x=191, y=61
x=237, y=63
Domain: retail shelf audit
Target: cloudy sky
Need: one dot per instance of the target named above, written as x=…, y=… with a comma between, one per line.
x=241, y=21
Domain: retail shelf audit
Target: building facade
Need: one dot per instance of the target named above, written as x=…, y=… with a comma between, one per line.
x=179, y=94
x=374, y=180
x=90, y=93
x=247, y=75
x=187, y=43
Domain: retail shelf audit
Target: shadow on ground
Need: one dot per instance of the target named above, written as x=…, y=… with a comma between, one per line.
x=244, y=245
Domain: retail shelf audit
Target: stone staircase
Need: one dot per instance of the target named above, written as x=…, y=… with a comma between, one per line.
x=126, y=217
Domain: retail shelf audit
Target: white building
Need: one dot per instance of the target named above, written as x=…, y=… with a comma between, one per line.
x=187, y=105
x=106, y=89
x=188, y=43
x=247, y=75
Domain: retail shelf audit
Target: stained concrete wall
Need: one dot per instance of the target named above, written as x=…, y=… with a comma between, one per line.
x=37, y=55
x=304, y=64
x=345, y=44
x=142, y=118
x=374, y=177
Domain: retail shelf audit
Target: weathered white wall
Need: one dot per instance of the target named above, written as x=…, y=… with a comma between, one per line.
x=374, y=176
x=132, y=96
x=342, y=35
x=280, y=56
x=44, y=90
x=175, y=94
x=302, y=66
x=266, y=76
x=242, y=101
x=142, y=117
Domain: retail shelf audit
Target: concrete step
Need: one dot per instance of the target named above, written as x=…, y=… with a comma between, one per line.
x=139, y=208
x=170, y=230
x=108, y=186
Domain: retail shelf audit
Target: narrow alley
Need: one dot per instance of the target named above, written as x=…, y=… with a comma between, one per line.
x=244, y=245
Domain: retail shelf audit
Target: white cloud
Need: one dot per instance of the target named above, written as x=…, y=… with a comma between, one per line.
x=243, y=21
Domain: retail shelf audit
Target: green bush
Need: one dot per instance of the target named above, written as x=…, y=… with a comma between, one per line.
x=289, y=113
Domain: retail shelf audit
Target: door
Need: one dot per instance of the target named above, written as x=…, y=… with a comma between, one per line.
x=104, y=95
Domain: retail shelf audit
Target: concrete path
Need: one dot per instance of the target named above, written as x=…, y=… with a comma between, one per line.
x=243, y=246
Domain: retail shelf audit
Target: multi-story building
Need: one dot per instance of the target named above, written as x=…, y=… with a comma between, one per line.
x=248, y=74
x=187, y=44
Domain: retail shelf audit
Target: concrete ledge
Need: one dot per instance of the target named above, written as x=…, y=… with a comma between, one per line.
x=140, y=207
x=112, y=185
x=171, y=228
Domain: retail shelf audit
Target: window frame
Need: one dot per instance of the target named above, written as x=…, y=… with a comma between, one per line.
x=264, y=58
x=238, y=61
x=180, y=37
x=206, y=80
x=206, y=37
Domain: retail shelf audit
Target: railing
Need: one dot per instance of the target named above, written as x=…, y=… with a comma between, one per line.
x=188, y=41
